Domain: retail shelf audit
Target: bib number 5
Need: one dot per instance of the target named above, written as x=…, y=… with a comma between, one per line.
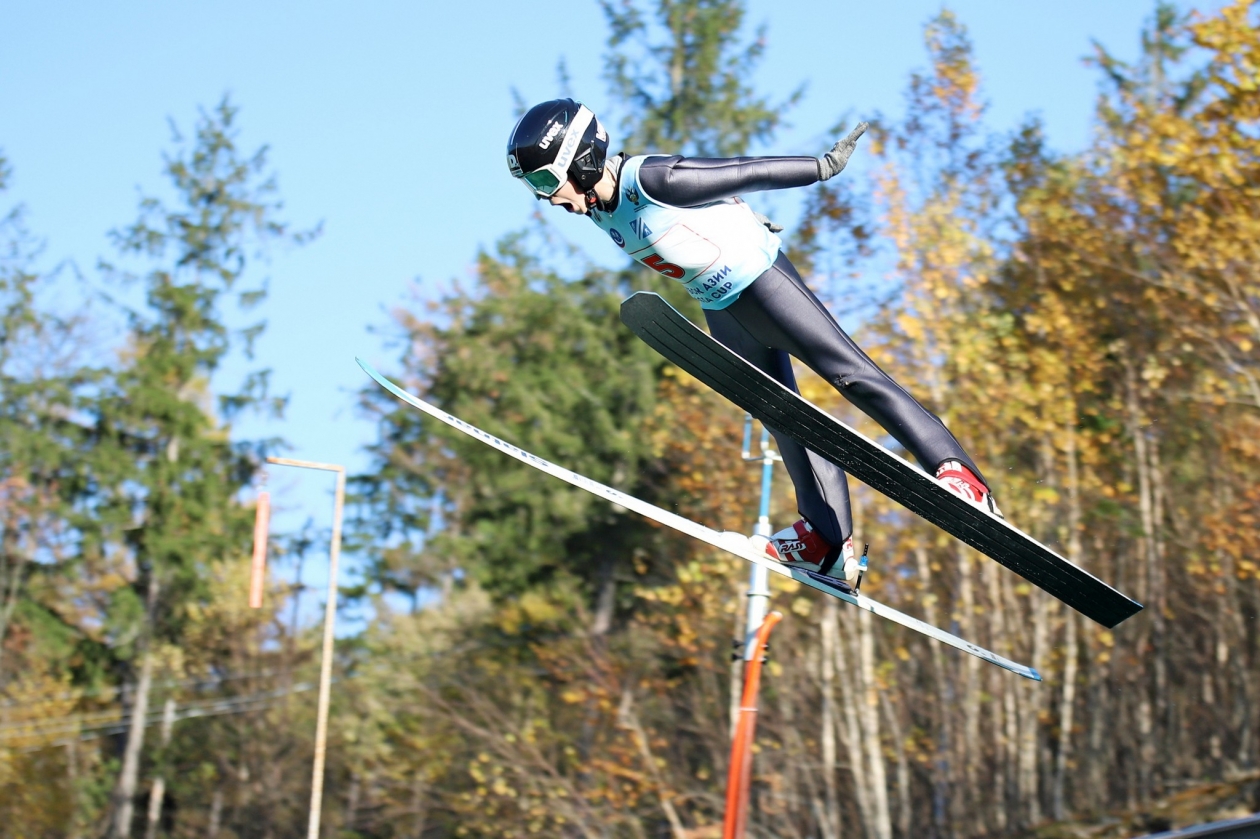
x=669, y=269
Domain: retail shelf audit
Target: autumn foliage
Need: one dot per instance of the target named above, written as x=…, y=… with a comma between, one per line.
x=540, y=663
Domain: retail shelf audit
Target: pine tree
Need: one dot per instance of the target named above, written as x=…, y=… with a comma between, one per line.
x=43, y=385
x=537, y=355
x=542, y=360
x=166, y=468
x=679, y=73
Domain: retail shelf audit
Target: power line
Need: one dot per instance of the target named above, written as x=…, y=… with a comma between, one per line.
x=91, y=726
x=196, y=684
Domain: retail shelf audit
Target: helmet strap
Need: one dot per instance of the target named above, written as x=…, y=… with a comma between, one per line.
x=591, y=198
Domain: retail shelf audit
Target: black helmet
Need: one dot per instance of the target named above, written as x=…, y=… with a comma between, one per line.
x=554, y=141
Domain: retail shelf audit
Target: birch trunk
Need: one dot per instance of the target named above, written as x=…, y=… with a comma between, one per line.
x=830, y=821
x=216, y=814
x=1029, y=790
x=905, y=806
x=352, y=802
x=1067, y=700
x=800, y=777
x=628, y=719
x=125, y=789
x=969, y=742
x=1021, y=731
x=1147, y=552
x=1097, y=758
x=73, y=830
x=1012, y=711
x=1248, y=733
x=849, y=700
x=943, y=722
x=882, y=824
x=1003, y=742
x=1159, y=600
x=1067, y=703
x=1244, y=700
x=158, y=791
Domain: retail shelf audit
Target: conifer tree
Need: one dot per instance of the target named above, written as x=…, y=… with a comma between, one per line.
x=542, y=360
x=18, y=320
x=43, y=384
x=166, y=468
x=537, y=355
x=679, y=76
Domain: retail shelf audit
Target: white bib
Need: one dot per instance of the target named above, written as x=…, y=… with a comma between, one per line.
x=716, y=251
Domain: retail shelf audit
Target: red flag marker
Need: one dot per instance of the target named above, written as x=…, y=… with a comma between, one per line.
x=258, y=569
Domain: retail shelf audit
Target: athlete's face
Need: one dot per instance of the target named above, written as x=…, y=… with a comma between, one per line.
x=570, y=197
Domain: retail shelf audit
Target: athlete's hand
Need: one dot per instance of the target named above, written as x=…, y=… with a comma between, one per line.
x=769, y=225
x=832, y=163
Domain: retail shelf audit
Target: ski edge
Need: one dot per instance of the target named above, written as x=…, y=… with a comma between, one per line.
x=733, y=543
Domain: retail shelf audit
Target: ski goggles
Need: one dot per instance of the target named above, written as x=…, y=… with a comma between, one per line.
x=546, y=180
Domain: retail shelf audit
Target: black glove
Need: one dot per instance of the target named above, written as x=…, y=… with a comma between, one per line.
x=832, y=163
x=771, y=226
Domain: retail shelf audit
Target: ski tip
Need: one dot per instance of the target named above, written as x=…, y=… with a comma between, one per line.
x=386, y=383
x=376, y=377
x=1034, y=675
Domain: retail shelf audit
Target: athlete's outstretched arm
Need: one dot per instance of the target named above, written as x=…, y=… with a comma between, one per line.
x=693, y=181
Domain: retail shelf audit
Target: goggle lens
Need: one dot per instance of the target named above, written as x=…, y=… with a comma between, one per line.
x=543, y=182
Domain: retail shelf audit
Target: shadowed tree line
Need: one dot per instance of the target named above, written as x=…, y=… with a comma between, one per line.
x=1087, y=324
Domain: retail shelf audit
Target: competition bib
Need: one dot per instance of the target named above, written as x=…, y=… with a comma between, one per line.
x=715, y=251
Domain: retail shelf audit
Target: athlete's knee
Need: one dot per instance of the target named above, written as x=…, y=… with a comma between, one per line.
x=865, y=391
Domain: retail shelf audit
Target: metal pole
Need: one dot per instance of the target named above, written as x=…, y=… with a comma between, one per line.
x=759, y=577
x=330, y=618
x=756, y=634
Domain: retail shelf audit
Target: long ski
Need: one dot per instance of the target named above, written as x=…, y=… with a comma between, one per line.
x=729, y=541
x=685, y=344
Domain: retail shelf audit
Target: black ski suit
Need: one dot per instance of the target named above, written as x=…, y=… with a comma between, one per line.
x=777, y=317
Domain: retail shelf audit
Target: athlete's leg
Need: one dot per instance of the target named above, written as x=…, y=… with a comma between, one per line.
x=778, y=310
x=822, y=492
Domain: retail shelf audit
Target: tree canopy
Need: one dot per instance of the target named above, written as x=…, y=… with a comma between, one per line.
x=1086, y=322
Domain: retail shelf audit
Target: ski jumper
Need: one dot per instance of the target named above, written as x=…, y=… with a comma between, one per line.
x=681, y=217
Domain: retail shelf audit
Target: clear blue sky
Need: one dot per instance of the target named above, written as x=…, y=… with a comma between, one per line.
x=387, y=121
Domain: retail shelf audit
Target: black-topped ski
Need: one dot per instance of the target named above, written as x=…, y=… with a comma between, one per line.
x=683, y=343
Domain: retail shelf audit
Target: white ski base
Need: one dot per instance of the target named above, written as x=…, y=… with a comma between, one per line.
x=729, y=541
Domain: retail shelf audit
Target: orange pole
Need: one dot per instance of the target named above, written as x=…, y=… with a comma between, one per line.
x=258, y=568
x=739, y=777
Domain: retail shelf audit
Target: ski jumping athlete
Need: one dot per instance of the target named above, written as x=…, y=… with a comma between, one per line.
x=681, y=217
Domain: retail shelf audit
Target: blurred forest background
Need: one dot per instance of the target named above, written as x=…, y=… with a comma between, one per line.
x=1088, y=325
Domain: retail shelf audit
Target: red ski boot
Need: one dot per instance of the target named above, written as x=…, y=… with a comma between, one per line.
x=801, y=546
x=961, y=481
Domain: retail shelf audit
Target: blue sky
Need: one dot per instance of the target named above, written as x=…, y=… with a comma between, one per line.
x=387, y=121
